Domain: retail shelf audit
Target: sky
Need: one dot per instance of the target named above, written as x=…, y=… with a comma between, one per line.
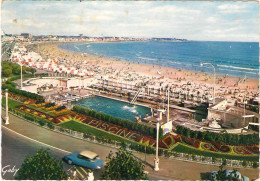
x=206, y=21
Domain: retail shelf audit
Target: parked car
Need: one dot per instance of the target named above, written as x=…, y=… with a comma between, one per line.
x=213, y=175
x=232, y=173
x=86, y=159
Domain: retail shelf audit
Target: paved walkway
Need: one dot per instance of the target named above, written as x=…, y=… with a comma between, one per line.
x=169, y=169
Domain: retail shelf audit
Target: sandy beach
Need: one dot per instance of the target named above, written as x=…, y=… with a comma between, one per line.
x=51, y=50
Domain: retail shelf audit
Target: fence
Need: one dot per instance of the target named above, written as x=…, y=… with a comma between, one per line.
x=114, y=144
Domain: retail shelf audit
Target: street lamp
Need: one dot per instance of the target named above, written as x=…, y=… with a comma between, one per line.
x=244, y=99
x=6, y=107
x=214, y=78
x=21, y=75
x=156, y=160
x=168, y=107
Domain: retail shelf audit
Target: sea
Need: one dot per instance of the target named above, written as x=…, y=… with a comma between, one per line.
x=237, y=59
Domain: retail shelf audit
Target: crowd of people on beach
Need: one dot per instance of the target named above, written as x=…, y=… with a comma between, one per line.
x=116, y=73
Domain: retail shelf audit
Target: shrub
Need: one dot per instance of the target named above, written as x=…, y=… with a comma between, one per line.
x=41, y=122
x=49, y=105
x=255, y=165
x=39, y=101
x=60, y=108
x=213, y=159
x=250, y=139
x=50, y=125
x=193, y=157
x=244, y=163
x=21, y=92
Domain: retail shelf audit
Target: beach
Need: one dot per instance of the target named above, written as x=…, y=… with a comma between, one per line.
x=170, y=75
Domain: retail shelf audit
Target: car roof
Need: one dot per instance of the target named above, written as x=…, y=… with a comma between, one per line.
x=88, y=154
x=227, y=172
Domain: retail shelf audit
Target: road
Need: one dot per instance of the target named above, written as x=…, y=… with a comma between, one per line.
x=169, y=169
x=15, y=148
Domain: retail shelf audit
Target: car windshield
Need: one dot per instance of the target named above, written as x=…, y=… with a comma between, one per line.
x=83, y=158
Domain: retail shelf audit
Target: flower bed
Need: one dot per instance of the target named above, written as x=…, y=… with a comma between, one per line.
x=51, y=108
x=61, y=111
x=15, y=96
x=240, y=150
x=222, y=147
x=207, y=146
x=169, y=140
x=191, y=141
x=37, y=113
x=118, y=130
x=219, y=147
x=253, y=149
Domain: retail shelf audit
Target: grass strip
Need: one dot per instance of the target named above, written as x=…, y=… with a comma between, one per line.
x=11, y=103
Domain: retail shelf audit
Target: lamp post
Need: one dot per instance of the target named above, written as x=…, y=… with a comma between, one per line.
x=214, y=78
x=6, y=107
x=168, y=107
x=156, y=160
x=245, y=100
x=21, y=76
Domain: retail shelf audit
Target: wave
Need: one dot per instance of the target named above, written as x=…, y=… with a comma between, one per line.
x=146, y=58
x=76, y=47
x=240, y=68
x=239, y=71
x=173, y=62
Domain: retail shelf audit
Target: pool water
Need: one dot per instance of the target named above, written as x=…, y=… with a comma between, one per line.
x=114, y=108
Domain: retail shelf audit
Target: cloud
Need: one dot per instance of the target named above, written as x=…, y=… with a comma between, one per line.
x=191, y=20
x=233, y=8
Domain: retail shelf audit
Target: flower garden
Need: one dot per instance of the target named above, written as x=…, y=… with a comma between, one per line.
x=167, y=142
x=170, y=141
x=17, y=97
x=51, y=113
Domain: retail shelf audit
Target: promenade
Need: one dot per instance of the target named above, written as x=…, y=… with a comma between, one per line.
x=169, y=169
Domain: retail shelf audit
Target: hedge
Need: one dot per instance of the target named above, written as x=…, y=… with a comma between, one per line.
x=234, y=139
x=16, y=77
x=21, y=92
x=145, y=130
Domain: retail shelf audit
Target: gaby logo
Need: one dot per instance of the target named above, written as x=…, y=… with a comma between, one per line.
x=9, y=169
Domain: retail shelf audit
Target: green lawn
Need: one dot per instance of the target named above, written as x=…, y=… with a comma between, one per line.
x=11, y=103
x=90, y=130
x=184, y=149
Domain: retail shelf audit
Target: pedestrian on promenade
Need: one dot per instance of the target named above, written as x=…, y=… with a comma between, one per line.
x=74, y=174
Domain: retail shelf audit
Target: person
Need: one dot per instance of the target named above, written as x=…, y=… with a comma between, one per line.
x=74, y=174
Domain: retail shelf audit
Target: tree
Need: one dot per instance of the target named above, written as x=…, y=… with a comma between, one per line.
x=6, y=72
x=123, y=166
x=221, y=173
x=41, y=166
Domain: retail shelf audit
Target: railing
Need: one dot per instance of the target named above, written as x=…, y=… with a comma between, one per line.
x=162, y=152
x=135, y=97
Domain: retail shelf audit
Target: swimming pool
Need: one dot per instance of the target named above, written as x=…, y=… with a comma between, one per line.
x=114, y=108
